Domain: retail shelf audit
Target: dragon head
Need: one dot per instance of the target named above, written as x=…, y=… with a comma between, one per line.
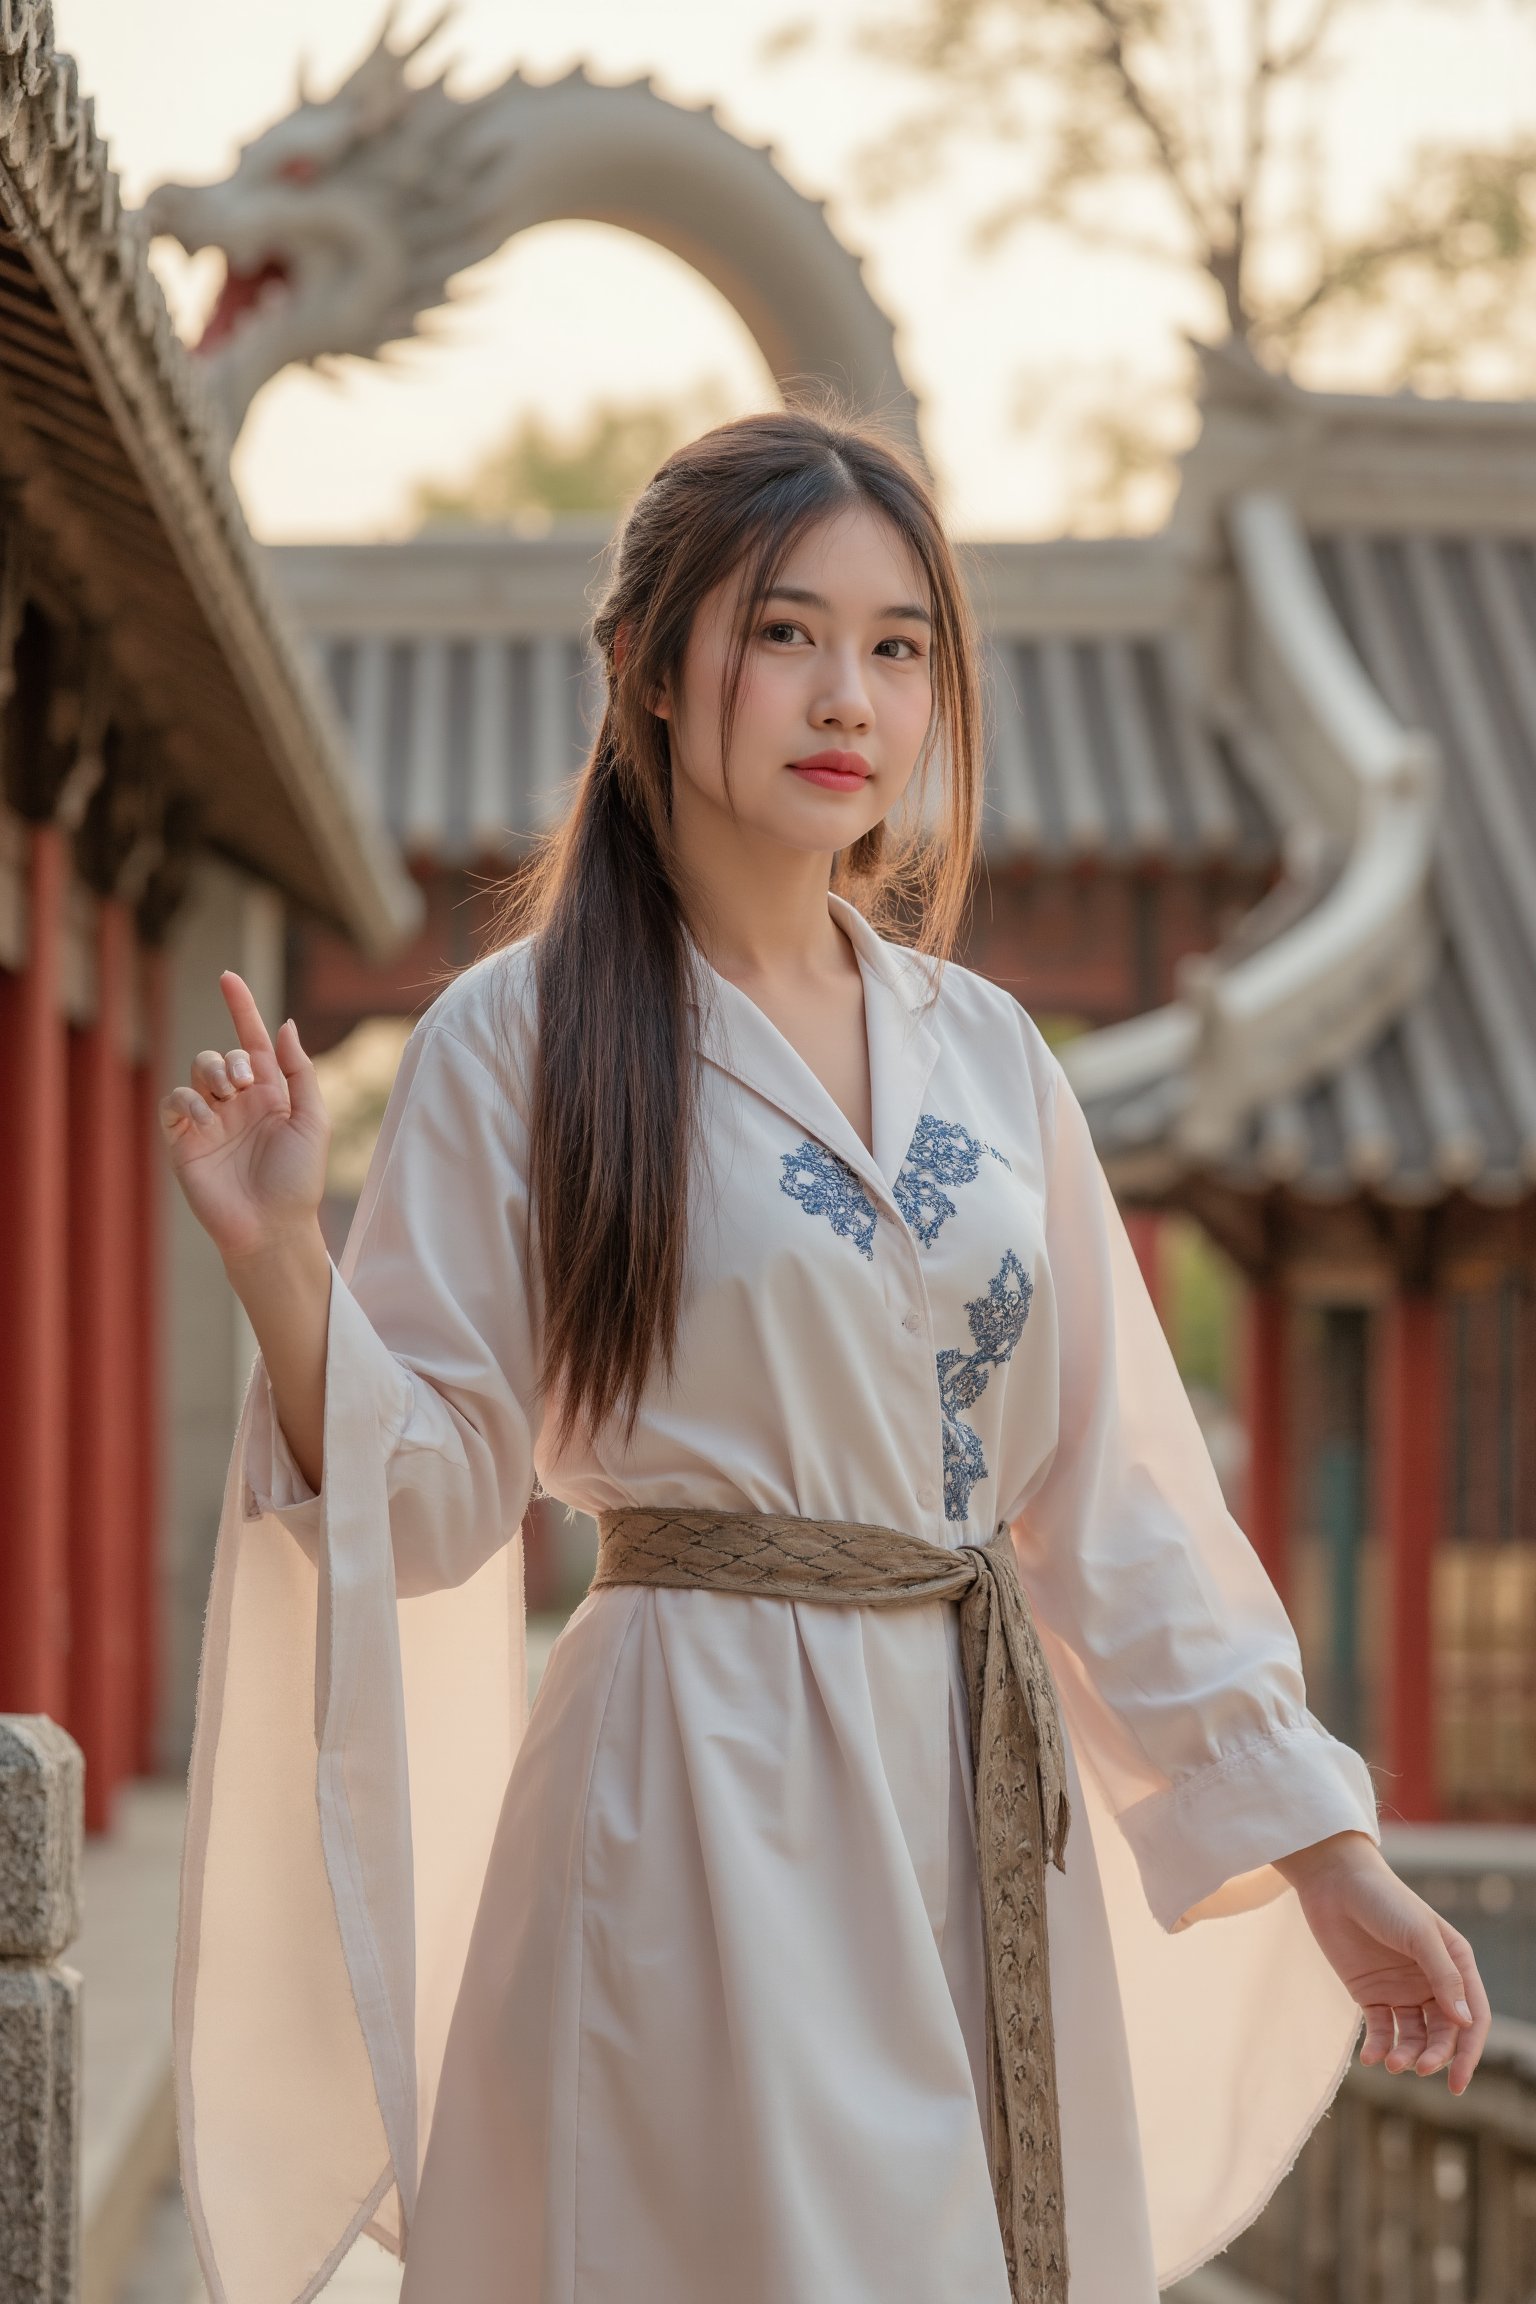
x=342, y=223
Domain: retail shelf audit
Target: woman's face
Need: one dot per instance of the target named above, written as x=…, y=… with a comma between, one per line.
x=837, y=669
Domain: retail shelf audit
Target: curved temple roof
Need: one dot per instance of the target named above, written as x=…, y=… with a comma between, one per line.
x=461, y=671
x=1371, y=565
x=1444, y=1097
x=108, y=444
x=1414, y=535
x=1446, y=627
x=1101, y=750
x=1328, y=656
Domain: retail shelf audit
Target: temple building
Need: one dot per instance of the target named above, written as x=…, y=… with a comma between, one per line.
x=1259, y=853
x=1345, y=1093
x=172, y=778
x=1261, y=816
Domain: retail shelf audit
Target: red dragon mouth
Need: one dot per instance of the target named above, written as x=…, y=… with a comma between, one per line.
x=240, y=294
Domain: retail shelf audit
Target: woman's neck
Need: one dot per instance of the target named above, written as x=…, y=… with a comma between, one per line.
x=762, y=914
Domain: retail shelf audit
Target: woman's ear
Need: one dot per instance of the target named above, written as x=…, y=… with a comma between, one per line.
x=658, y=700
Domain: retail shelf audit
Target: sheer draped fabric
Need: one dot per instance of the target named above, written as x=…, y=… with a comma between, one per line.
x=758, y=1812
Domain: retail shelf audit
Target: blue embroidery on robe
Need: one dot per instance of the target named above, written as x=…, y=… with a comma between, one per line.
x=996, y=1322
x=825, y=1185
x=941, y=1152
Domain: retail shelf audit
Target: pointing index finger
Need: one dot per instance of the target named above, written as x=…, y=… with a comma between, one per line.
x=246, y=1016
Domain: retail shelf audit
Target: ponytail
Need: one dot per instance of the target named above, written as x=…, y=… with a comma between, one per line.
x=613, y=1094
x=613, y=1118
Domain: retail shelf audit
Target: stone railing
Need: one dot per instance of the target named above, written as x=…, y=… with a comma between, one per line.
x=42, y=1782
x=1480, y=1877
x=1403, y=2194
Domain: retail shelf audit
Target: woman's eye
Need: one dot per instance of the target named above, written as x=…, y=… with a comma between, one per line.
x=782, y=629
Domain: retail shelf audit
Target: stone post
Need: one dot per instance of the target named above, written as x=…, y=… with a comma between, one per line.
x=42, y=1783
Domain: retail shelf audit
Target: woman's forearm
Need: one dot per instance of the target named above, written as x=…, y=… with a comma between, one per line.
x=286, y=1291
x=1348, y=1846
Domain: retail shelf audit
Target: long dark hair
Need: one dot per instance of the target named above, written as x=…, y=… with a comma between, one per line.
x=614, y=1094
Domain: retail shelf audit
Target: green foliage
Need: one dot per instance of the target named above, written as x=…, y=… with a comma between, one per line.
x=542, y=472
x=355, y=1078
x=1447, y=276
x=1203, y=1304
x=1186, y=134
x=1202, y=1291
x=1056, y=1031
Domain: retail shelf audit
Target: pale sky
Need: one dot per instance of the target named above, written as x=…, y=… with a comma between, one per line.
x=569, y=312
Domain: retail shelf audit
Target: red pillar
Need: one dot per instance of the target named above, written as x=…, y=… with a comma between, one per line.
x=103, y=1378
x=1267, y=1374
x=1409, y=1444
x=1144, y=1229
x=148, y=1074
x=34, y=1369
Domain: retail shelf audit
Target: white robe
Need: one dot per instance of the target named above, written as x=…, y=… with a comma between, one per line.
x=678, y=1995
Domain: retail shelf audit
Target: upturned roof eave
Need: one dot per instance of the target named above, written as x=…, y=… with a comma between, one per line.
x=309, y=827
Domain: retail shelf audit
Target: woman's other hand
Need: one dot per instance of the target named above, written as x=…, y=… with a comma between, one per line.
x=1412, y=1973
x=248, y=1140
x=248, y=1136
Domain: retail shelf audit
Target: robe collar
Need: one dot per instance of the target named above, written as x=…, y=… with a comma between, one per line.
x=737, y=1037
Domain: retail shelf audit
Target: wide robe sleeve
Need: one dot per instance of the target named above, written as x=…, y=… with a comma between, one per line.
x=361, y=1696
x=1181, y=1683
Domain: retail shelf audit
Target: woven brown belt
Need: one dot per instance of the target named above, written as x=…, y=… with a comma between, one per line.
x=1022, y=1812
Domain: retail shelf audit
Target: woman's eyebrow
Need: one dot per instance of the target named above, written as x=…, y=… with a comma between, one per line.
x=818, y=600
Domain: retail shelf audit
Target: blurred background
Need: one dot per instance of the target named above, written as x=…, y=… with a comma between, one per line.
x=1215, y=323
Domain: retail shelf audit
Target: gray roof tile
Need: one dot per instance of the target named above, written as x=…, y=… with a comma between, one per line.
x=1096, y=750
x=1446, y=1096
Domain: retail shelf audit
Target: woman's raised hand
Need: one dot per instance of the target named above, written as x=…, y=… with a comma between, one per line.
x=248, y=1137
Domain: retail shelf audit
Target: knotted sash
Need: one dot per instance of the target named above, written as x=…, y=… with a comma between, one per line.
x=1022, y=1811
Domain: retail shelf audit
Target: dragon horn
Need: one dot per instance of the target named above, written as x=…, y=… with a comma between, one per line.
x=384, y=58
x=443, y=16
x=376, y=90
x=381, y=46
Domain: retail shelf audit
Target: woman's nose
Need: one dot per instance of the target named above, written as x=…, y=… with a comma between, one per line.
x=845, y=698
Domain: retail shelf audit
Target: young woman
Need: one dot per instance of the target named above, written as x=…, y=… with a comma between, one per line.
x=921, y=1877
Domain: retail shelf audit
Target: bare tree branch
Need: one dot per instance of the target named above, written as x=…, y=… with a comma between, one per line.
x=990, y=230
x=1168, y=143
x=1109, y=96
x=1206, y=103
x=1255, y=95
x=1252, y=152
x=1287, y=63
x=1467, y=215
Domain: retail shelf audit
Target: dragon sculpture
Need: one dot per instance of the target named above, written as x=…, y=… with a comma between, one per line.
x=344, y=222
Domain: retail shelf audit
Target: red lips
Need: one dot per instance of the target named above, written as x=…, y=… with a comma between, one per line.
x=844, y=763
x=834, y=771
